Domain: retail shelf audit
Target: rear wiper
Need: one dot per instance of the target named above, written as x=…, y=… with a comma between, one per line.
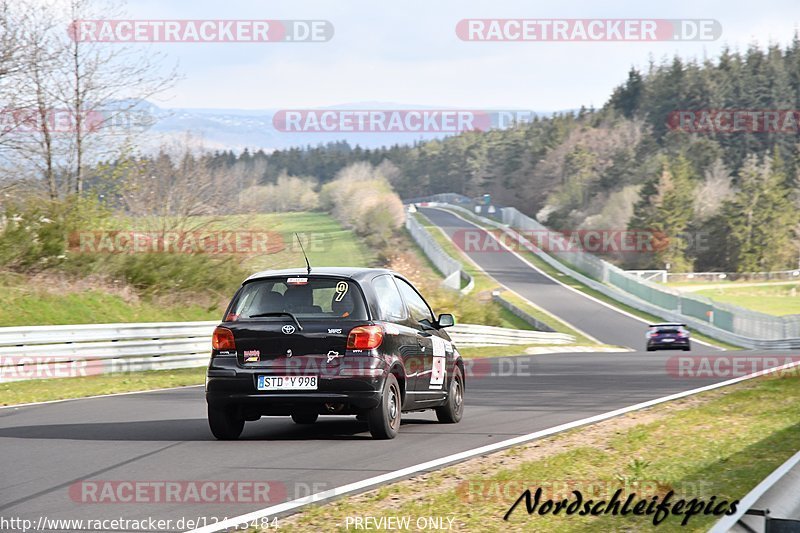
x=282, y=313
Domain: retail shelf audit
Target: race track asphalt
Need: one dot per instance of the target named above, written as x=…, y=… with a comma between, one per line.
x=605, y=324
x=49, y=449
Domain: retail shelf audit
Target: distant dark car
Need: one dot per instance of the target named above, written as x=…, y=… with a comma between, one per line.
x=668, y=337
x=333, y=341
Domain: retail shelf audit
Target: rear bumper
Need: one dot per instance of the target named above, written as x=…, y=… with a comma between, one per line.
x=679, y=344
x=228, y=384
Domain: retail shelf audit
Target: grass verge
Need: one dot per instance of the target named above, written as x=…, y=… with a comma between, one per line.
x=720, y=443
x=42, y=390
x=473, y=352
x=84, y=293
x=774, y=299
x=23, y=307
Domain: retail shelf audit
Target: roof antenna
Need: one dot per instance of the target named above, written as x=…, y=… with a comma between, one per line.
x=308, y=265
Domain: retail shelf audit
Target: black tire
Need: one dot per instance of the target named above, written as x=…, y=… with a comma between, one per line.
x=384, y=418
x=226, y=423
x=451, y=412
x=687, y=348
x=650, y=349
x=305, y=418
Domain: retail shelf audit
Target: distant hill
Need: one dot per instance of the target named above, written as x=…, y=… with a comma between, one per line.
x=236, y=129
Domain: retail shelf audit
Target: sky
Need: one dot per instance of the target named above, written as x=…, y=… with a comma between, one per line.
x=408, y=53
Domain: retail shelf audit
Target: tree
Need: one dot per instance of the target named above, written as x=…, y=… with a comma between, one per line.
x=761, y=217
x=666, y=210
x=102, y=82
x=626, y=98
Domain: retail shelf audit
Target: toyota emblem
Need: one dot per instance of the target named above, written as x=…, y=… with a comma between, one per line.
x=288, y=329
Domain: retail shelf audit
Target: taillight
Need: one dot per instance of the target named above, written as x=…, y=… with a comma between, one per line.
x=222, y=340
x=365, y=338
x=683, y=334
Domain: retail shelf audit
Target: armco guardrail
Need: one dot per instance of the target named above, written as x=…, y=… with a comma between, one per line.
x=477, y=335
x=37, y=352
x=741, y=322
x=448, y=266
x=497, y=296
x=727, y=323
x=776, y=496
x=779, y=275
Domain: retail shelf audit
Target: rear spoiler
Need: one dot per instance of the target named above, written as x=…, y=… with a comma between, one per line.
x=660, y=325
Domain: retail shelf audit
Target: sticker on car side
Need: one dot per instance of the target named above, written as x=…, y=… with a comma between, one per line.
x=438, y=370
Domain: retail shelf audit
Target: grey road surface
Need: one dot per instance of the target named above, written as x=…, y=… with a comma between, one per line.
x=601, y=322
x=49, y=450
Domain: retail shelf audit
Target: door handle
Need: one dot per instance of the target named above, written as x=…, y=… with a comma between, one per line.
x=420, y=336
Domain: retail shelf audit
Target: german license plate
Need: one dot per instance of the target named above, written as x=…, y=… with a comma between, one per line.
x=287, y=382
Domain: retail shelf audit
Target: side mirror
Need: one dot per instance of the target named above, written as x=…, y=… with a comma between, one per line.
x=446, y=320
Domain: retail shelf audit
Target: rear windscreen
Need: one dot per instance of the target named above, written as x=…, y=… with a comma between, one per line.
x=304, y=297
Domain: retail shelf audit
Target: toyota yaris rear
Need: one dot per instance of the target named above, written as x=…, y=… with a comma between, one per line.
x=333, y=342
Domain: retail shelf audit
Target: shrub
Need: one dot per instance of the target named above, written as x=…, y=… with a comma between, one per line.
x=363, y=200
x=33, y=231
x=289, y=193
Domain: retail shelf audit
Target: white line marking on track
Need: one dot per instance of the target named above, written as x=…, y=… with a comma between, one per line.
x=512, y=291
x=531, y=265
x=360, y=486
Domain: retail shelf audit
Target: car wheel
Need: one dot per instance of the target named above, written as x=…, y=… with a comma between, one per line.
x=687, y=348
x=305, y=418
x=384, y=418
x=450, y=413
x=649, y=349
x=226, y=423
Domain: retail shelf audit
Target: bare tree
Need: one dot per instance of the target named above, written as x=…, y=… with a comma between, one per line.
x=101, y=79
x=717, y=187
x=175, y=190
x=36, y=142
x=61, y=93
x=14, y=21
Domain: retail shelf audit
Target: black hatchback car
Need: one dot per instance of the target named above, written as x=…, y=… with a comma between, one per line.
x=331, y=341
x=670, y=336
